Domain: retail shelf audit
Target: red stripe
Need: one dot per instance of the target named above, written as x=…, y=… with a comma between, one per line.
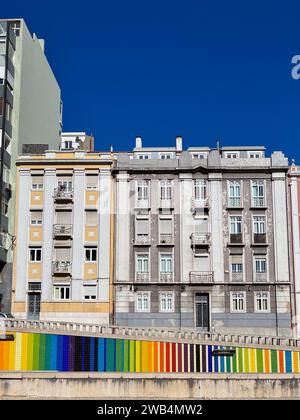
x=162, y=358
x=173, y=357
x=281, y=362
x=167, y=357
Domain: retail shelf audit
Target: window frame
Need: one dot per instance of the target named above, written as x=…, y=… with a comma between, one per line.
x=228, y=155
x=35, y=249
x=165, y=185
x=258, y=197
x=62, y=286
x=148, y=293
x=268, y=300
x=232, y=293
x=90, y=248
x=89, y=286
x=169, y=292
x=239, y=197
x=33, y=212
x=241, y=224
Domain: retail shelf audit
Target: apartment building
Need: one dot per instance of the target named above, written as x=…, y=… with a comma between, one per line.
x=63, y=254
x=30, y=122
x=294, y=213
x=201, y=239
x=76, y=140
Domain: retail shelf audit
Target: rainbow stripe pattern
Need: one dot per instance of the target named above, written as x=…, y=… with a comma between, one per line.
x=64, y=353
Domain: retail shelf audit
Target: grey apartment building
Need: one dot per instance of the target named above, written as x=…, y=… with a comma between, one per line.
x=201, y=239
x=30, y=122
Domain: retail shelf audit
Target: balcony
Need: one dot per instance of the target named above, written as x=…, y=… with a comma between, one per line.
x=166, y=203
x=142, y=239
x=200, y=239
x=63, y=195
x=198, y=204
x=198, y=277
x=166, y=277
x=258, y=202
x=260, y=277
x=234, y=202
x=61, y=267
x=259, y=239
x=142, y=277
x=62, y=230
x=237, y=277
x=143, y=203
x=166, y=239
x=236, y=239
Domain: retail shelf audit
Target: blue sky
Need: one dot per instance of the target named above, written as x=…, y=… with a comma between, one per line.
x=202, y=69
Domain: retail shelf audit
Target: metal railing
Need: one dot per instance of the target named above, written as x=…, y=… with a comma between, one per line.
x=260, y=277
x=234, y=202
x=142, y=203
x=166, y=203
x=201, y=276
x=61, y=194
x=237, y=277
x=62, y=229
x=258, y=202
x=61, y=267
x=166, y=277
x=200, y=239
x=142, y=277
x=142, y=239
x=199, y=203
x=153, y=332
x=166, y=238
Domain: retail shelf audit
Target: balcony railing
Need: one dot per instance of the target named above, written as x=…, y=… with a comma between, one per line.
x=61, y=194
x=166, y=203
x=259, y=238
x=142, y=239
x=236, y=238
x=199, y=239
x=237, y=277
x=258, y=202
x=234, y=202
x=201, y=276
x=166, y=277
x=199, y=203
x=143, y=203
x=61, y=267
x=142, y=277
x=166, y=238
x=62, y=230
x=260, y=277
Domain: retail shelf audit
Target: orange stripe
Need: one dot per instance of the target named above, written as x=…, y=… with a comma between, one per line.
x=150, y=367
x=267, y=360
x=295, y=362
x=281, y=361
x=155, y=356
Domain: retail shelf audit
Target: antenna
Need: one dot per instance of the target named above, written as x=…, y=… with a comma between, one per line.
x=218, y=144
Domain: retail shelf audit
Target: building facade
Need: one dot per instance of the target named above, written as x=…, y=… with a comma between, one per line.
x=206, y=234
x=30, y=122
x=294, y=213
x=63, y=254
x=76, y=140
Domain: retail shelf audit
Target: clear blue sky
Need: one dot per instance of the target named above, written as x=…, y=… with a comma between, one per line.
x=202, y=69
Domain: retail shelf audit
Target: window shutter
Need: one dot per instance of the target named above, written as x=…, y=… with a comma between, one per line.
x=62, y=254
x=37, y=180
x=92, y=181
x=142, y=226
x=64, y=217
x=236, y=259
x=91, y=218
x=166, y=226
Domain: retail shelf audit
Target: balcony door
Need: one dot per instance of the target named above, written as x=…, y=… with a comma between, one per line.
x=34, y=305
x=202, y=312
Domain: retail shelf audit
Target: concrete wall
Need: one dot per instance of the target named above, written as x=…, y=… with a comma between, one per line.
x=144, y=386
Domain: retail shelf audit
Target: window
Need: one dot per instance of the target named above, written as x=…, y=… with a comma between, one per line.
x=142, y=190
x=234, y=193
x=166, y=263
x=63, y=217
x=254, y=155
x=2, y=45
x=36, y=217
x=37, y=182
x=92, y=182
x=142, y=302
x=91, y=218
x=91, y=254
x=143, y=156
x=262, y=301
x=35, y=254
x=15, y=26
x=34, y=286
x=62, y=254
x=62, y=292
x=142, y=230
x=199, y=155
x=165, y=155
x=258, y=193
x=165, y=190
x=260, y=265
x=238, y=301
x=68, y=144
x=142, y=263
x=166, y=230
x=236, y=268
x=235, y=225
x=232, y=155
x=166, y=302
x=9, y=111
x=200, y=189
x=1, y=80
x=259, y=224
x=90, y=292
x=65, y=184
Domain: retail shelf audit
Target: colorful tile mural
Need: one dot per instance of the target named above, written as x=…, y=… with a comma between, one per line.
x=50, y=352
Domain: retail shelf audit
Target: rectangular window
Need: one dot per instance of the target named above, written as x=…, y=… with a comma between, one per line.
x=35, y=254
x=62, y=254
x=65, y=184
x=62, y=292
x=166, y=263
x=200, y=189
x=143, y=156
x=238, y=301
x=142, y=230
x=142, y=190
x=36, y=217
x=234, y=193
x=142, y=263
x=166, y=302
x=166, y=230
x=92, y=182
x=199, y=155
x=89, y=292
x=254, y=155
x=142, y=302
x=166, y=190
x=91, y=254
x=259, y=224
x=91, y=218
x=260, y=265
x=236, y=268
x=232, y=155
x=37, y=182
x=165, y=156
x=262, y=301
x=258, y=193
x=235, y=225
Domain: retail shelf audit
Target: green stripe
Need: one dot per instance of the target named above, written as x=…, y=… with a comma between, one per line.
x=259, y=360
x=126, y=354
x=110, y=356
x=41, y=365
x=119, y=355
x=246, y=360
x=240, y=356
x=234, y=361
x=30, y=352
x=48, y=345
x=227, y=361
x=132, y=356
x=274, y=361
x=36, y=342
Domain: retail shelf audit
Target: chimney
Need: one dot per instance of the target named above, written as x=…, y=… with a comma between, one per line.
x=138, y=142
x=179, y=144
